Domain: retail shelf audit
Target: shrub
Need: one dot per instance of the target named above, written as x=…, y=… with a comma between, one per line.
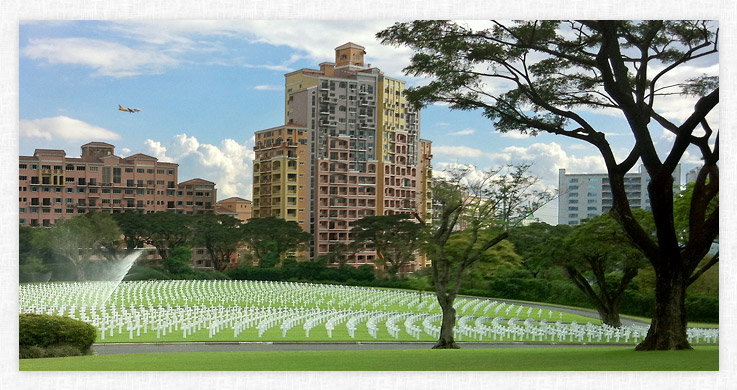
x=62, y=350
x=146, y=273
x=204, y=275
x=702, y=308
x=42, y=330
x=32, y=352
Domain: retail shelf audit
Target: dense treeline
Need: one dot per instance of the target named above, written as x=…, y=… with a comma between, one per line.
x=592, y=265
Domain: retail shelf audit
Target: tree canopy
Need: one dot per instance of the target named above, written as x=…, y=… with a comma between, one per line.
x=272, y=234
x=395, y=238
x=544, y=76
x=81, y=237
x=476, y=215
x=598, y=250
x=221, y=235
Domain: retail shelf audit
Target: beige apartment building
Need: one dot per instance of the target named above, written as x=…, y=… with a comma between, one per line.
x=52, y=186
x=236, y=207
x=356, y=152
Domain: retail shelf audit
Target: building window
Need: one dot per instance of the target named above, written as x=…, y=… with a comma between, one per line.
x=116, y=175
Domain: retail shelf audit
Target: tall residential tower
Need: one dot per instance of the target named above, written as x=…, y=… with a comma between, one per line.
x=355, y=152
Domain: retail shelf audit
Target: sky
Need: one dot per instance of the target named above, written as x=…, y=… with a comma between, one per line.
x=204, y=88
x=167, y=65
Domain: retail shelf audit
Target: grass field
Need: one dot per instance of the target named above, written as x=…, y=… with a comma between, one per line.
x=161, y=311
x=522, y=359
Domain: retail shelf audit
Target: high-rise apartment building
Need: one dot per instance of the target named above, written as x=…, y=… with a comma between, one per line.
x=588, y=195
x=53, y=186
x=355, y=152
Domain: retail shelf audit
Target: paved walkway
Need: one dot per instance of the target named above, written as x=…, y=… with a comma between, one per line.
x=579, y=311
x=123, y=348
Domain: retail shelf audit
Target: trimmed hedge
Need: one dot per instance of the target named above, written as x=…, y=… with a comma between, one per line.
x=44, y=331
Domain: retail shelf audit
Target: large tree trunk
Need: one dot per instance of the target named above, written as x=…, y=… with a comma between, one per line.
x=668, y=326
x=610, y=317
x=446, y=341
x=79, y=267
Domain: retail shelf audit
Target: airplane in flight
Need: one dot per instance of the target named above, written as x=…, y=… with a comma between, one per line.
x=131, y=110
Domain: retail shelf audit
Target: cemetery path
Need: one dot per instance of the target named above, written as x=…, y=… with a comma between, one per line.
x=582, y=312
x=126, y=348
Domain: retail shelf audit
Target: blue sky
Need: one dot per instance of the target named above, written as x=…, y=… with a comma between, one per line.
x=204, y=87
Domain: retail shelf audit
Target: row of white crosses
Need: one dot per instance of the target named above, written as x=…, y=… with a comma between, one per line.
x=166, y=307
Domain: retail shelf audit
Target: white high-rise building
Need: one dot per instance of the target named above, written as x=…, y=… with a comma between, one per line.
x=588, y=195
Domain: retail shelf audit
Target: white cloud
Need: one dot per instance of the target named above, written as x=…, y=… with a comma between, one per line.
x=269, y=87
x=456, y=151
x=107, y=58
x=514, y=135
x=677, y=108
x=145, y=47
x=227, y=165
x=464, y=132
x=546, y=159
x=64, y=127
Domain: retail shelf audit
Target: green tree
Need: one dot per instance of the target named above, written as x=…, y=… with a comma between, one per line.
x=166, y=230
x=339, y=254
x=133, y=226
x=530, y=243
x=272, y=234
x=221, y=235
x=599, y=250
x=485, y=210
x=82, y=237
x=395, y=238
x=552, y=73
x=178, y=261
x=110, y=234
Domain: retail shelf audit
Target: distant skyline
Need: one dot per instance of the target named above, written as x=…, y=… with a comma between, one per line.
x=204, y=88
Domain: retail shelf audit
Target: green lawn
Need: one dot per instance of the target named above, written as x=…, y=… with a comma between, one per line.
x=297, y=333
x=522, y=359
